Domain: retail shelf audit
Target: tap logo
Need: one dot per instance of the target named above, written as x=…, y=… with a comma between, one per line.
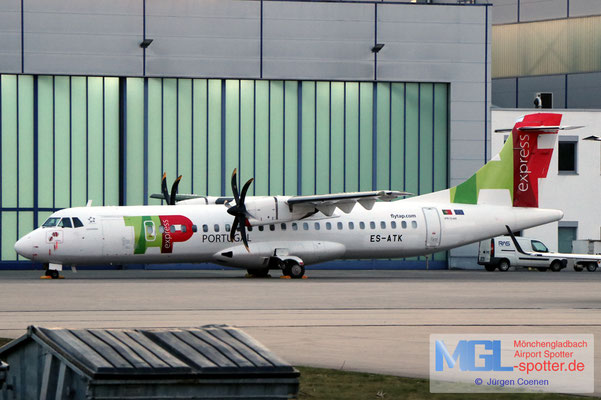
x=159, y=231
x=472, y=355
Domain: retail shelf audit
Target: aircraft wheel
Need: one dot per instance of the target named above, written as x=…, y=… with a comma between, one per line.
x=591, y=267
x=555, y=266
x=490, y=268
x=53, y=273
x=578, y=268
x=297, y=271
x=504, y=265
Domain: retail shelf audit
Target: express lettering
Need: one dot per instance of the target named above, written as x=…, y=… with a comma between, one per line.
x=523, y=186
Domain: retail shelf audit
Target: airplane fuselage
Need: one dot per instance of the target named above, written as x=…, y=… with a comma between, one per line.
x=197, y=234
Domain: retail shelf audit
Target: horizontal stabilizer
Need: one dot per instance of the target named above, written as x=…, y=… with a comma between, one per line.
x=541, y=128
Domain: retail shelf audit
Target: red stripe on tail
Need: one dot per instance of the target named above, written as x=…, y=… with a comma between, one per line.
x=530, y=163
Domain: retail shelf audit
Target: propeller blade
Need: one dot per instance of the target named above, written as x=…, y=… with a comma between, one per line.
x=244, y=190
x=234, y=227
x=235, y=187
x=238, y=211
x=174, y=190
x=243, y=234
x=164, y=187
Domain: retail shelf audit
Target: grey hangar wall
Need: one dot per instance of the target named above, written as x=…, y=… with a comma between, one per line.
x=286, y=48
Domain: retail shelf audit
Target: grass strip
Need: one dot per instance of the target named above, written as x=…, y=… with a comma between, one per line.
x=320, y=383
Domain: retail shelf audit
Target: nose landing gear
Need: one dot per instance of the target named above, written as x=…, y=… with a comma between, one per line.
x=52, y=272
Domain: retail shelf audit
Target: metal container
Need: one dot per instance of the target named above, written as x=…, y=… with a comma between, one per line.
x=214, y=361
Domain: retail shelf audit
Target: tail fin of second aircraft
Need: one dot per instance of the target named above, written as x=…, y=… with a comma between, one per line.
x=523, y=160
x=511, y=177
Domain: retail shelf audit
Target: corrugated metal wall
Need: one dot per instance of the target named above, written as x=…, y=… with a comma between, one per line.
x=561, y=46
x=62, y=143
x=510, y=11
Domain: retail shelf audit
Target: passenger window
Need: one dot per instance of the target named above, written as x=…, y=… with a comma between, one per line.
x=194, y=228
x=339, y=225
x=393, y=225
x=305, y=226
x=150, y=233
x=205, y=228
x=283, y=226
x=228, y=227
x=317, y=227
x=372, y=225
x=404, y=224
x=351, y=225
x=362, y=225
x=183, y=228
x=328, y=226
x=294, y=226
x=272, y=227
x=161, y=229
x=414, y=224
x=216, y=227
x=77, y=222
x=65, y=223
x=382, y=224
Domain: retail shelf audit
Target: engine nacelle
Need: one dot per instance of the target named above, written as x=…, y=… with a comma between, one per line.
x=267, y=210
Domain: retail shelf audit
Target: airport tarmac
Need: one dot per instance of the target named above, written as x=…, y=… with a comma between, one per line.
x=374, y=321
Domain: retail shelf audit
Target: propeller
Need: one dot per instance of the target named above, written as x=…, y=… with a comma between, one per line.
x=169, y=199
x=238, y=211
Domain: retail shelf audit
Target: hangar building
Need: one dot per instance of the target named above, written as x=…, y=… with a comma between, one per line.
x=99, y=98
x=546, y=46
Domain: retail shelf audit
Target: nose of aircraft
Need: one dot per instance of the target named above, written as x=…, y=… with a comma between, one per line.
x=24, y=246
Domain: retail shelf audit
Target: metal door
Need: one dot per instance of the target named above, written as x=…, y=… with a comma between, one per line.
x=117, y=239
x=433, y=227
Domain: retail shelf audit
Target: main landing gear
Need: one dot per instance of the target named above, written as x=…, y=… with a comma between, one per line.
x=293, y=269
x=258, y=273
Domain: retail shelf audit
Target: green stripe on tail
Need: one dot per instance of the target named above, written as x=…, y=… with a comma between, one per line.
x=496, y=174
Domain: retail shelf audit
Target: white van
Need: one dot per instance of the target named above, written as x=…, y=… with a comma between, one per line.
x=500, y=252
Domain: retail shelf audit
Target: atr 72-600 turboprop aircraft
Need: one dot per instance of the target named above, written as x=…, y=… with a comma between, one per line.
x=284, y=232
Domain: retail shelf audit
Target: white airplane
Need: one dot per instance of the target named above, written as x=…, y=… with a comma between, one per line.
x=290, y=232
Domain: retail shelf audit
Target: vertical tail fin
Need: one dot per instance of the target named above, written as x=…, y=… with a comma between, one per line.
x=522, y=161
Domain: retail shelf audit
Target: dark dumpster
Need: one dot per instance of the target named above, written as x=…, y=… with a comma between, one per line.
x=3, y=371
x=210, y=362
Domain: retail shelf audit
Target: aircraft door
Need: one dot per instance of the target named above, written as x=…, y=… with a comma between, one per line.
x=433, y=227
x=118, y=239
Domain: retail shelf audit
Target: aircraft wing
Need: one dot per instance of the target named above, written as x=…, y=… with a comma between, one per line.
x=327, y=203
x=178, y=197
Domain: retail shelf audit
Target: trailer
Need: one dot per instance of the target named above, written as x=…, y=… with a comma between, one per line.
x=589, y=247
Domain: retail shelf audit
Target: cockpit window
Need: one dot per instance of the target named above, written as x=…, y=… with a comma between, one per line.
x=539, y=246
x=52, y=221
x=77, y=222
x=65, y=223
